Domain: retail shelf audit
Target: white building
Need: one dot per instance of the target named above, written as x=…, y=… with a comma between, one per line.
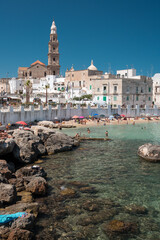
x=126, y=73
x=16, y=86
x=156, y=89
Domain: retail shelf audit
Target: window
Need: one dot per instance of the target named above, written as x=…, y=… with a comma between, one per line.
x=54, y=59
x=79, y=83
x=83, y=83
x=54, y=73
x=45, y=74
x=127, y=98
x=97, y=89
x=58, y=88
x=136, y=98
x=149, y=98
x=141, y=90
x=126, y=75
x=104, y=88
x=136, y=89
x=72, y=84
x=115, y=98
x=97, y=98
x=72, y=75
x=30, y=74
x=104, y=98
x=127, y=89
x=90, y=87
x=149, y=89
x=115, y=89
x=37, y=66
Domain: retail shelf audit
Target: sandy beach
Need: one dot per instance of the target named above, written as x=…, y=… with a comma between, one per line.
x=102, y=122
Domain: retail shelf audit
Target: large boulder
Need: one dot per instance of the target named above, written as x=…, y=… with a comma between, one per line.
x=150, y=152
x=6, y=169
x=53, y=140
x=7, y=193
x=37, y=186
x=48, y=124
x=28, y=146
x=6, y=146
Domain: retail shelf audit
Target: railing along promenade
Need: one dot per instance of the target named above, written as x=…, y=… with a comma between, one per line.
x=12, y=114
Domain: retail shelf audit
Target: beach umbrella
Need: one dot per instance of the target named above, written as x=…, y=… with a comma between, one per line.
x=122, y=115
x=95, y=114
x=81, y=117
x=111, y=117
x=148, y=114
x=21, y=123
x=75, y=116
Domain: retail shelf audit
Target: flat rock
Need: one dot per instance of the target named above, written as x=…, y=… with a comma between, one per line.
x=149, y=152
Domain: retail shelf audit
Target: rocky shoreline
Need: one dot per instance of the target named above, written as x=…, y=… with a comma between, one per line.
x=20, y=185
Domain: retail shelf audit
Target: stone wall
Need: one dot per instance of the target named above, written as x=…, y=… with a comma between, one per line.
x=10, y=115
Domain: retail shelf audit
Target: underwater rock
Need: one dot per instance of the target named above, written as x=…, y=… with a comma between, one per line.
x=78, y=184
x=135, y=209
x=88, y=190
x=117, y=227
x=90, y=206
x=68, y=192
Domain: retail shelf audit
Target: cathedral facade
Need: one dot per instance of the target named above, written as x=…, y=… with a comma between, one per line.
x=39, y=69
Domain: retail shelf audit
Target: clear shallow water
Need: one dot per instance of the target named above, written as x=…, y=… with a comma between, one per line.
x=116, y=172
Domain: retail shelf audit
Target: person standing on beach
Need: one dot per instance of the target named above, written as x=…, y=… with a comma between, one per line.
x=106, y=133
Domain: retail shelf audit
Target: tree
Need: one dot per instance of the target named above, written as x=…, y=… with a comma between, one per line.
x=28, y=86
x=46, y=87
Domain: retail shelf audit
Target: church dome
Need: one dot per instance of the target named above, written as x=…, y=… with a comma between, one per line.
x=92, y=67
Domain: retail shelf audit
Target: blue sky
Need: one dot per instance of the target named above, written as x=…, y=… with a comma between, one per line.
x=113, y=33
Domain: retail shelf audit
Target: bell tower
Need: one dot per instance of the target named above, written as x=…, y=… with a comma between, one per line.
x=53, y=52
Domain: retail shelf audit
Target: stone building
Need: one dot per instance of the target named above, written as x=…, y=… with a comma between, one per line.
x=4, y=86
x=80, y=81
x=115, y=90
x=36, y=70
x=39, y=69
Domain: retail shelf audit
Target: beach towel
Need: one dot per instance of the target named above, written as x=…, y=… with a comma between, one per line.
x=10, y=217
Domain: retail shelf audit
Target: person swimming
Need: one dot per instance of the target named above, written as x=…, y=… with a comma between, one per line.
x=88, y=130
x=106, y=133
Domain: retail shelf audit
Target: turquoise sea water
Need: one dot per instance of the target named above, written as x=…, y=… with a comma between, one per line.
x=116, y=172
